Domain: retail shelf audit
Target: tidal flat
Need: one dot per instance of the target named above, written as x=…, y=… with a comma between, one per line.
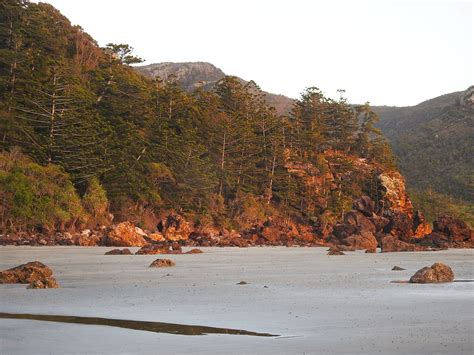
x=313, y=302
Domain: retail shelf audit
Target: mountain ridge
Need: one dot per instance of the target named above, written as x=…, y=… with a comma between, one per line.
x=193, y=75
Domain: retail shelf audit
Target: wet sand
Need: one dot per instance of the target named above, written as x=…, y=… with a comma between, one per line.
x=316, y=303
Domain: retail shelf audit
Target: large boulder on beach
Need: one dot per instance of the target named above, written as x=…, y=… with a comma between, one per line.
x=35, y=273
x=124, y=235
x=438, y=272
x=162, y=263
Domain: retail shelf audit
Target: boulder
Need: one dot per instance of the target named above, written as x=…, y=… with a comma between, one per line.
x=335, y=251
x=390, y=243
x=455, y=229
x=397, y=268
x=156, y=249
x=162, y=263
x=119, y=252
x=438, y=272
x=32, y=272
x=401, y=226
x=357, y=232
x=194, y=251
x=174, y=227
x=156, y=237
x=124, y=235
x=46, y=283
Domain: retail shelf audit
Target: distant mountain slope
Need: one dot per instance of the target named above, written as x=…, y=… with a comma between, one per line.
x=192, y=75
x=434, y=142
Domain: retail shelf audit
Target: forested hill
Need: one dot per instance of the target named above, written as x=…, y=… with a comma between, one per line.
x=434, y=144
x=84, y=134
x=204, y=75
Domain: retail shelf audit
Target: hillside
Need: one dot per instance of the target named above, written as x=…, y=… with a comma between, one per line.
x=433, y=141
x=201, y=74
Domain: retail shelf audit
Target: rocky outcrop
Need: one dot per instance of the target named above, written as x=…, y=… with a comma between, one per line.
x=356, y=232
x=174, y=227
x=162, y=263
x=420, y=226
x=395, y=197
x=34, y=273
x=435, y=273
x=119, y=252
x=124, y=235
x=449, y=232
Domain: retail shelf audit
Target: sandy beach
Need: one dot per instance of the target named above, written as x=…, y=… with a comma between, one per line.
x=314, y=302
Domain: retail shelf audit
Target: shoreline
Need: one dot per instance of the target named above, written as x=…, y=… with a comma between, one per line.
x=317, y=303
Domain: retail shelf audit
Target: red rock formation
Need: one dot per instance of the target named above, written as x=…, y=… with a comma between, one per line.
x=355, y=233
x=124, y=235
x=420, y=226
x=35, y=273
x=175, y=227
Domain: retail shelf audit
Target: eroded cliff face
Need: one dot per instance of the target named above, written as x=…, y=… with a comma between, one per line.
x=395, y=198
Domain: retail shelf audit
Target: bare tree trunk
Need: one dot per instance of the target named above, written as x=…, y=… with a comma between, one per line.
x=222, y=166
x=52, y=120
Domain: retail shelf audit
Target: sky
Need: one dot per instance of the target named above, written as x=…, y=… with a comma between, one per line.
x=385, y=52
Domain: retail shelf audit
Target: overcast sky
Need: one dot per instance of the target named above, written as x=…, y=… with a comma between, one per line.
x=386, y=52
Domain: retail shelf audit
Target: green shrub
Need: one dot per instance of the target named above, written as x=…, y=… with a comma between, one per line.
x=36, y=197
x=95, y=199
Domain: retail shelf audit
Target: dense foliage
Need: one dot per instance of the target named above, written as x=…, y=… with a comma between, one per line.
x=93, y=127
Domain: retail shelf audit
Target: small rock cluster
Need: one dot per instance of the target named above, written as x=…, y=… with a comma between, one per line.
x=34, y=273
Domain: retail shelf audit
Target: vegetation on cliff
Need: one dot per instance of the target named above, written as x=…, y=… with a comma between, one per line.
x=98, y=137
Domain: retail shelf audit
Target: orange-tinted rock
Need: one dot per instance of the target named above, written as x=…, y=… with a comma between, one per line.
x=194, y=251
x=356, y=233
x=435, y=273
x=32, y=272
x=455, y=229
x=124, y=235
x=395, y=197
x=119, y=252
x=390, y=243
x=162, y=263
x=401, y=226
x=420, y=226
x=239, y=242
x=156, y=237
x=156, y=249
x=175, y=227
x=50, y=282
x=335, y=251
x=92, y=240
